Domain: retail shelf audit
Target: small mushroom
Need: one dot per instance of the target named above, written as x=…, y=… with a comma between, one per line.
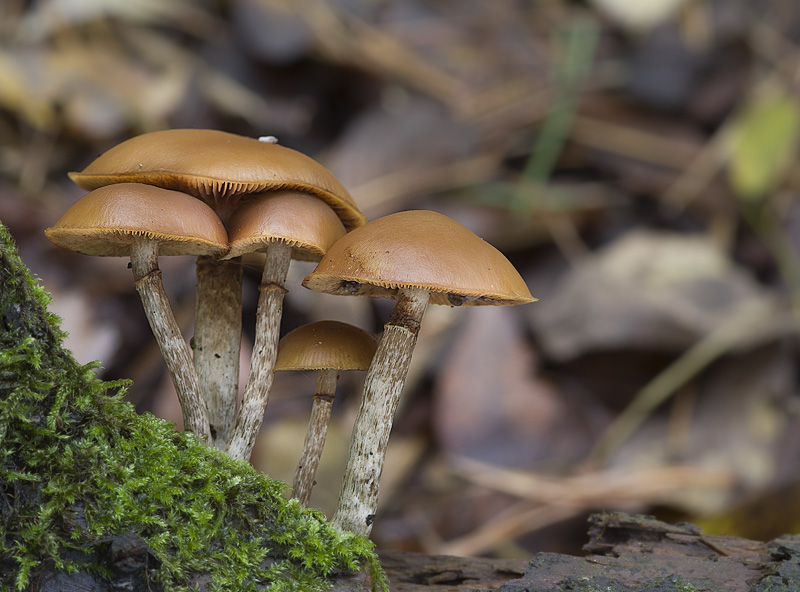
x=143, y=222
x=415, y=257
x=221, y=169
x=284, y=225
x=327, y=347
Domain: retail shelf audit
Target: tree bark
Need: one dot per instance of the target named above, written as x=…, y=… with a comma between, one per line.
x=625, y=554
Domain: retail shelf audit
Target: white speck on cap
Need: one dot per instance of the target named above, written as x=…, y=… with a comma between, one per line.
x=269, y=139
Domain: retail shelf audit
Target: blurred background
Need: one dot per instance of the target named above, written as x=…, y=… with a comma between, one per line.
x=634, y=160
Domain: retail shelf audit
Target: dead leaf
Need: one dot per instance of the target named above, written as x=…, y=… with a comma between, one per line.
x=655, y=290
x=425, y=139
x=490, y=404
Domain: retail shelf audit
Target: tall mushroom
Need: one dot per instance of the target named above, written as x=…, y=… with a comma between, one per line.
x=221, y=169
x=415, y=257
x=143, y=222
x=327, y=347
x=284, y=225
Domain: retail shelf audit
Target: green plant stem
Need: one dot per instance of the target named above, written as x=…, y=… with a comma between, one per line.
x=579, y=48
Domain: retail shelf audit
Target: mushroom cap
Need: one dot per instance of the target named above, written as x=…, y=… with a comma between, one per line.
x=424, y=250
x=217, y=166
x=106, y=222
x=326, y=345
x=306, y=223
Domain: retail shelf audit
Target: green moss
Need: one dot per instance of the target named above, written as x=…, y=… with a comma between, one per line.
x=783, y=572
x=78, y=466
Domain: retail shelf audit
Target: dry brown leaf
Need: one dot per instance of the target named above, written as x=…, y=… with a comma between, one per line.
x=491, y=406
x=18, y=93
x=653, y=290
x=426, y=146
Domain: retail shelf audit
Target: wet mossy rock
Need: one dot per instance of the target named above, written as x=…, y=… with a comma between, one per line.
x=94, y=496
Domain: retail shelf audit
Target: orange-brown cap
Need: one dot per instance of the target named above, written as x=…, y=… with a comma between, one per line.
x=419, y=249
x=326, y=345
x=214, y=166
x=106, y=222
x=304, y=222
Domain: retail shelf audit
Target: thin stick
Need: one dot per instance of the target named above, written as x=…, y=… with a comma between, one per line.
x=358, y=496
x=217, y=340
x=518, y=520
x=176, y=354
x=315, y=436
x=662, y=386
x=265, y=349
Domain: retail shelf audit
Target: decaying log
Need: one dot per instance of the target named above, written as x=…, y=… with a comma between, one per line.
x=624, y=554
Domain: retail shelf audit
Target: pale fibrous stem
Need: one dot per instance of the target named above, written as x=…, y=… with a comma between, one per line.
x=174, y=350
x=358, y=496
x=265, y=350
x=217, y=341
x=315, y=435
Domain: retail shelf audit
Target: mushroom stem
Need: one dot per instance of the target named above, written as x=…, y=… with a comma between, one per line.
x=265, y=349
x=315, y=436
x=217, y=341
x=147, y=278
x=358, y=496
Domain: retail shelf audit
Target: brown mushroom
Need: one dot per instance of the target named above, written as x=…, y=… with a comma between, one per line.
x=215, y=165
x=221, y=169
x=327, y=347
x=143, y=222
x=415, y=257
x=284, y=225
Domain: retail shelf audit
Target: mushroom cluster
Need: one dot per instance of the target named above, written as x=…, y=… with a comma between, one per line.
x=220, y=196
x=415, y=257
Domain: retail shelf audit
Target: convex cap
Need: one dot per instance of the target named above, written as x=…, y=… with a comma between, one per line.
x=326, y=345
x=424, y=250
x=304, y=222
x=106, y=222
x=217, y=166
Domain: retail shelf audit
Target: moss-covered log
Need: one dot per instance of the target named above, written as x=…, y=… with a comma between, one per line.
x=96, y=496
